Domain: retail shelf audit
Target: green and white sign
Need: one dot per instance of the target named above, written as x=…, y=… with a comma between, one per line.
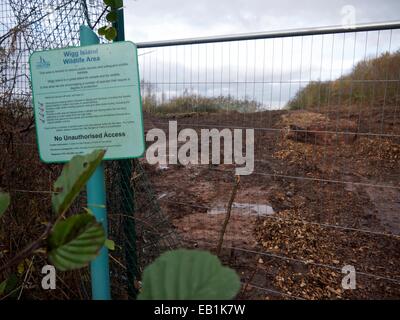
x=87, y=98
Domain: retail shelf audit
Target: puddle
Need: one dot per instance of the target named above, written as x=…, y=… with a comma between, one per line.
x=244, y=209
x=162, y=167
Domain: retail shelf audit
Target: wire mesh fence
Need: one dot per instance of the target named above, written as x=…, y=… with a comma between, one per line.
x=325, y=188
x=140, y=237
x=25, y=27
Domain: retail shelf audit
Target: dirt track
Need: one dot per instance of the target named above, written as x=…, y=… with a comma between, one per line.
x=298, y=251
x=313, y=189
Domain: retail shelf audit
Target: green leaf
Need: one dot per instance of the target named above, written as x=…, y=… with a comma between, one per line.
x=4, y=202
x=8, y=285
x=111, y=33
x=109, y=244
x=188, y=275
x=3, y=287
x=21, y=267
x=102, y=31
x=111, y=16
x=115, y=4
x=108, y=2
x=76, y=241
x=118, y=4
x=73, y=178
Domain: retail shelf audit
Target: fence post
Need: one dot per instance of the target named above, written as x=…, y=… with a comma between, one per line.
x=96, y=200
x=128, y=203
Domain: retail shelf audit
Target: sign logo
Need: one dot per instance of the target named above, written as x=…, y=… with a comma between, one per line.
x=42, y=63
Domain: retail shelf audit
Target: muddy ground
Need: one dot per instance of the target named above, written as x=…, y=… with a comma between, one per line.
x=334, y=205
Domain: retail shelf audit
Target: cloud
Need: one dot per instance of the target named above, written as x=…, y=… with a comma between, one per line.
x=160, y=19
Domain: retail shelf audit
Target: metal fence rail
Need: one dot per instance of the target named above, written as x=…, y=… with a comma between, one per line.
x=273, y=34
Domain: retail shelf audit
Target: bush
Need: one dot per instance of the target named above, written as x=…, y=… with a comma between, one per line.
x=189, y=103
x=371, y=82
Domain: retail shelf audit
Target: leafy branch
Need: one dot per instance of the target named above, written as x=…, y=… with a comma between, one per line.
x=71, y=242
x=109, y=31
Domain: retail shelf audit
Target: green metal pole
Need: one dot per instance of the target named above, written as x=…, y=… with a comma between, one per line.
x=128, y=203
x=96, y=200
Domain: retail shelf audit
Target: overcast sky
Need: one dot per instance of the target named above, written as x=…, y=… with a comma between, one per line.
x=169, y=19
x=270, y=71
